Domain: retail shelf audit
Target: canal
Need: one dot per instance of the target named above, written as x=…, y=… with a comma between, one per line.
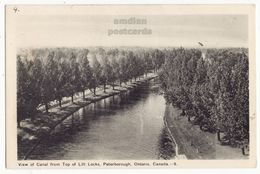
x=125, y=126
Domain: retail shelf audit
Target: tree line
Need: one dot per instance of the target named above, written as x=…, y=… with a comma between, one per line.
x=211, y=89
x=47, y=75
x=210, y=86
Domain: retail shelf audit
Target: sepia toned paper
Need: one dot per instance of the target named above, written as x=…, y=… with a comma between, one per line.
x=43, y=27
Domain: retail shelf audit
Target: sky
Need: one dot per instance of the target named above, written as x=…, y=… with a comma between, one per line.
x=167, y=31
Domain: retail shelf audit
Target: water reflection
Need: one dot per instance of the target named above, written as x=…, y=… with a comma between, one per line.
x=166, y=146
x=126, y=126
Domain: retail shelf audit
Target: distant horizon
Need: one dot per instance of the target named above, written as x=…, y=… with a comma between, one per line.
x=214, y=31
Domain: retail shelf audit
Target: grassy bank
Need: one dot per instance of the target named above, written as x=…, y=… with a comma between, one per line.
x=194, y=143
x=32, y=131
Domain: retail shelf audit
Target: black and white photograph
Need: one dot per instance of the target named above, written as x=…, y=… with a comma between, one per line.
x=107, y=85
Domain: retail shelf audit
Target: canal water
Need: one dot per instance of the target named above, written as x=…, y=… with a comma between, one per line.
x=127, y=126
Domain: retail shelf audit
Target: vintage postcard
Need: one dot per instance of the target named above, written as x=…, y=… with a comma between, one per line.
x=130, y=86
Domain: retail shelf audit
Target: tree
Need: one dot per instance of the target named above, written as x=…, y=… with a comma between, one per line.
x=123, y=76
x=85, y=72
x=97, y=70
x=22, y=93
x=213, y=89
x=115, y=71
x=157, y=59
x=36, y=77
x=63, y=82
x=74, y=76
x=147, y=63
x=140, y=67
x=48, y=85
x=130, y=62
x=106, y=72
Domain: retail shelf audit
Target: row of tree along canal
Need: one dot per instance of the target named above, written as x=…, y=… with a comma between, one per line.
x=47, y=75
x=128, y=125
x=212, y=90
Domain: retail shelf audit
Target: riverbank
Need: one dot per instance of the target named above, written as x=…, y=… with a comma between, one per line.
x=32, y=131
x=194, y=143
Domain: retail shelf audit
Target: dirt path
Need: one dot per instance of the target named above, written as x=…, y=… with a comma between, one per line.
x=66, y=101
x=194, y=143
